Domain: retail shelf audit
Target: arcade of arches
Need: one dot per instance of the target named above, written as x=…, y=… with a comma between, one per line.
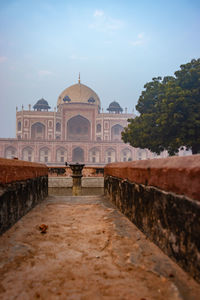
x=78, y=154
x=78, y=129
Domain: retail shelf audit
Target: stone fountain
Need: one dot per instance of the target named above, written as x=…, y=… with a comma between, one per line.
x=76, y=175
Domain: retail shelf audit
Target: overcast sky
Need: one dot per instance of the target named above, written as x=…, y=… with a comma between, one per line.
x=116, y=45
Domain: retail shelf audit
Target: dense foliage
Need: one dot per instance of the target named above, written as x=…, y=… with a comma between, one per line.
x=169, y=110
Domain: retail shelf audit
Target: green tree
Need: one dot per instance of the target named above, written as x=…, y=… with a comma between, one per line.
x=169, y=113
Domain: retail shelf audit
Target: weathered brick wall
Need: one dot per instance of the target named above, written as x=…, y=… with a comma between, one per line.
x=22, y=186
x=162, y=198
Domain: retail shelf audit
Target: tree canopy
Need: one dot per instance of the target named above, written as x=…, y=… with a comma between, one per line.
x=169, y=110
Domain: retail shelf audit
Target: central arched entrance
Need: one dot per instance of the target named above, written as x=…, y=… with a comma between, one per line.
x=78, y=129
x=78, y=155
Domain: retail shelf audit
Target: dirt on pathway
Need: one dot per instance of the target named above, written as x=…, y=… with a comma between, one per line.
x=90, y=251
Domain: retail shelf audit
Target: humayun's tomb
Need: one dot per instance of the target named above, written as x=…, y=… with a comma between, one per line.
x=77, y=131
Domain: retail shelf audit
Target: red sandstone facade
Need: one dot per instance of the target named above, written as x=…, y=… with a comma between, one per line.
x=77, y=131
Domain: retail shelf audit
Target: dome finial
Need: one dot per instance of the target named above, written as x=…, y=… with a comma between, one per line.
x=79, y=78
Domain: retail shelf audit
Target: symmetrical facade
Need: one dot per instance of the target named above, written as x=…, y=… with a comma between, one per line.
x=77, y=131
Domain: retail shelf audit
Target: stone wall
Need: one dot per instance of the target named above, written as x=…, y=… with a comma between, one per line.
x=62, y=176
x=64, y=171
x=161, y=197
x=67, y=182
x=22, y=186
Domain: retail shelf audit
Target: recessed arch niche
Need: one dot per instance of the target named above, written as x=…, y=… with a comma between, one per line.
x=10, y=152
x=38, y=131
x=110, y=155
x=78, y=155
x=94, y=155
x=126, y=155
x=78, y=129
x=116, y=132
x=27, y=154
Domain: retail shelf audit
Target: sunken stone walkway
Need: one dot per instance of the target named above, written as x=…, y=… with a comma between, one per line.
x=89, y=252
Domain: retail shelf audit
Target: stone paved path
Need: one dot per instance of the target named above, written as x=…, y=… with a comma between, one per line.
x=90, y=251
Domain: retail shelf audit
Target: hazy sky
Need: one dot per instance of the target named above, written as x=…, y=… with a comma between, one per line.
x=116, y=45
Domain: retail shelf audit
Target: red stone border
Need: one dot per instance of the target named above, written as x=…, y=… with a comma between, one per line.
x=12, y=170
x=180, y=175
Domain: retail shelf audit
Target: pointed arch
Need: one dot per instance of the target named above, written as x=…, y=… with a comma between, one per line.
x=61, y=154
x=44, y=155
x=116, y=132
x=58, y=126
x=98, y=128
x=19, y=126
x=38, y=131
x=110, y=155
x=78, y=154
x=27, y=154
x=78, y=129
x=125, y=155
x=142, y=154
x=10, y=152
x=94, y=155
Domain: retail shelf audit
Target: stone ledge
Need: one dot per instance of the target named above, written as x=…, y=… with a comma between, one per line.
x=180, y=175
x=12, y=170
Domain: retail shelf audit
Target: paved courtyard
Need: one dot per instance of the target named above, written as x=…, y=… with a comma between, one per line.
x=90, y=251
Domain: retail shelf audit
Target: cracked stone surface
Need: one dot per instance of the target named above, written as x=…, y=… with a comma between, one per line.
x=90, y=251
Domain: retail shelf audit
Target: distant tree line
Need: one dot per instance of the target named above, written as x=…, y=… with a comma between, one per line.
x=169, y=110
